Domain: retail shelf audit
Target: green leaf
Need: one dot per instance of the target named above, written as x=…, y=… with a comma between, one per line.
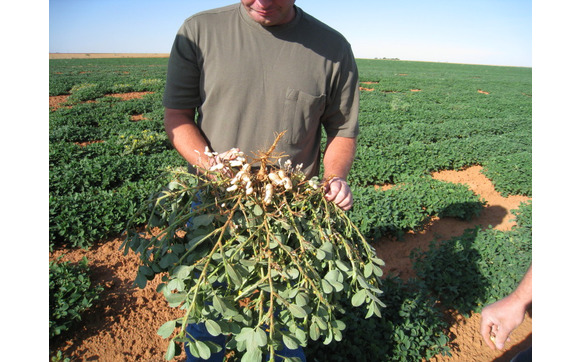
x=359, y=298
x=363, y=282
x=213, y=327
x=202, y=220
x=166, y=329
x=378, y=261
x=326, y=287
x=223, y=307
x=260, y=337
x=314, y=331
x=141, y=281
x=214, y=347
x=258, y=210
x=290, y=341
x=376, y=299
x=327, y=247
x=193, y=349
x=377, y=271
x=338, y=324
x=170, y=354
x=182, y=271
x=325, y=252
x=319, y=322
x=377, y=310
x=333, y=275
x=292, y=273
x=301, y=336
x=168, y=260
x=175, y=299
x=342, y=266
x=335, y=278
x=368, y=271
x=176, y=284
x=297, y=311
x=244, y=334
x=234, y=275
x=302, y=299
x=218, y=304
x=370, y=310
x=338, y=286
x=328, y=338
x=337, y=334
x=145, y=270
x=174, y=185
x=252, y=355
x=204, y=350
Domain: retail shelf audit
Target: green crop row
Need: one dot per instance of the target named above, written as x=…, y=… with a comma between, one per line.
x=102, y=163
x=411, y=328
x=86, y=79
x=71, y=293
x=417, y=118
x=410, y=205
x=478, y=268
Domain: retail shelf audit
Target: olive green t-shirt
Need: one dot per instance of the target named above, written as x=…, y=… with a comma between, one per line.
x=248, y=83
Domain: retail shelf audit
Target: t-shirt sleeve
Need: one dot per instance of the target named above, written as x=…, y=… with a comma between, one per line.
x=340, y=118
x=182, y=90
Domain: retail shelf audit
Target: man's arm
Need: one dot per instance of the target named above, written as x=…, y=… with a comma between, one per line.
x=502, y=317
x=338, y=159
x=186, y=136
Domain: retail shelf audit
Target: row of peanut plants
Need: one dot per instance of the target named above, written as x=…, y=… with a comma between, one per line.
x=415, y=118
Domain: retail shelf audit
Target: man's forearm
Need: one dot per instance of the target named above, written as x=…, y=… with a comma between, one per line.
x=186, y=136
x=524, y=290
x=338, y=157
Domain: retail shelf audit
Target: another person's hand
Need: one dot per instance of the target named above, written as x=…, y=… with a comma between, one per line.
x=338, y=191
x=499, y=319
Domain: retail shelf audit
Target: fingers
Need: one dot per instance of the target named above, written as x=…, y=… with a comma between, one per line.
x=501, y=336
x=230, y=155
x=215, y=161
x=487, y=333
x=339, y=192
x=493, y=335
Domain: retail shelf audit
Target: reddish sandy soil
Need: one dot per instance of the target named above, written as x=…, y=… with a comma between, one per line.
x=55, y=102
x=122, y=325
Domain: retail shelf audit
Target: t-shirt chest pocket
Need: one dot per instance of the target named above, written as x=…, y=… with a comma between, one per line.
x=302, y=112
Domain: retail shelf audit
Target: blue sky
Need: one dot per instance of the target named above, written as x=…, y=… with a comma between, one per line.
x=495, y=32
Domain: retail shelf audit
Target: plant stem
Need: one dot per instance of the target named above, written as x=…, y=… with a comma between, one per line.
x=201, y=278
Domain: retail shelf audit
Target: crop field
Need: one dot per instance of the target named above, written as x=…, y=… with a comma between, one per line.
x=108, y=150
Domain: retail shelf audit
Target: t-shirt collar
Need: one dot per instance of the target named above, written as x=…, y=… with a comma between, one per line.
x=275, y=29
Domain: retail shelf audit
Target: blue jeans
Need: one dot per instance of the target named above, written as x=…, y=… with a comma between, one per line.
x=523, y=356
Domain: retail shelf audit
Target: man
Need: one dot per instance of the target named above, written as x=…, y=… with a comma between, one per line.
x=240, y=75
x=499, y=319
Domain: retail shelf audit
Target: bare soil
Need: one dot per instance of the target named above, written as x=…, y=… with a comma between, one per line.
x=122, y=325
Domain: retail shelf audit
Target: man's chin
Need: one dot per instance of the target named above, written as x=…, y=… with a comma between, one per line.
x=263, y=20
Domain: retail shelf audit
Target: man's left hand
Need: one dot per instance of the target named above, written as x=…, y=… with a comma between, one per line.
x=338, y=191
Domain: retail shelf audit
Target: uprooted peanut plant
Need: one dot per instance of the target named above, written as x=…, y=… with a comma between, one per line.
x=253, y=250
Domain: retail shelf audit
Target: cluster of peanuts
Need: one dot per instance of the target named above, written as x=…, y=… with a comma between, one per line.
x=279, y=178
